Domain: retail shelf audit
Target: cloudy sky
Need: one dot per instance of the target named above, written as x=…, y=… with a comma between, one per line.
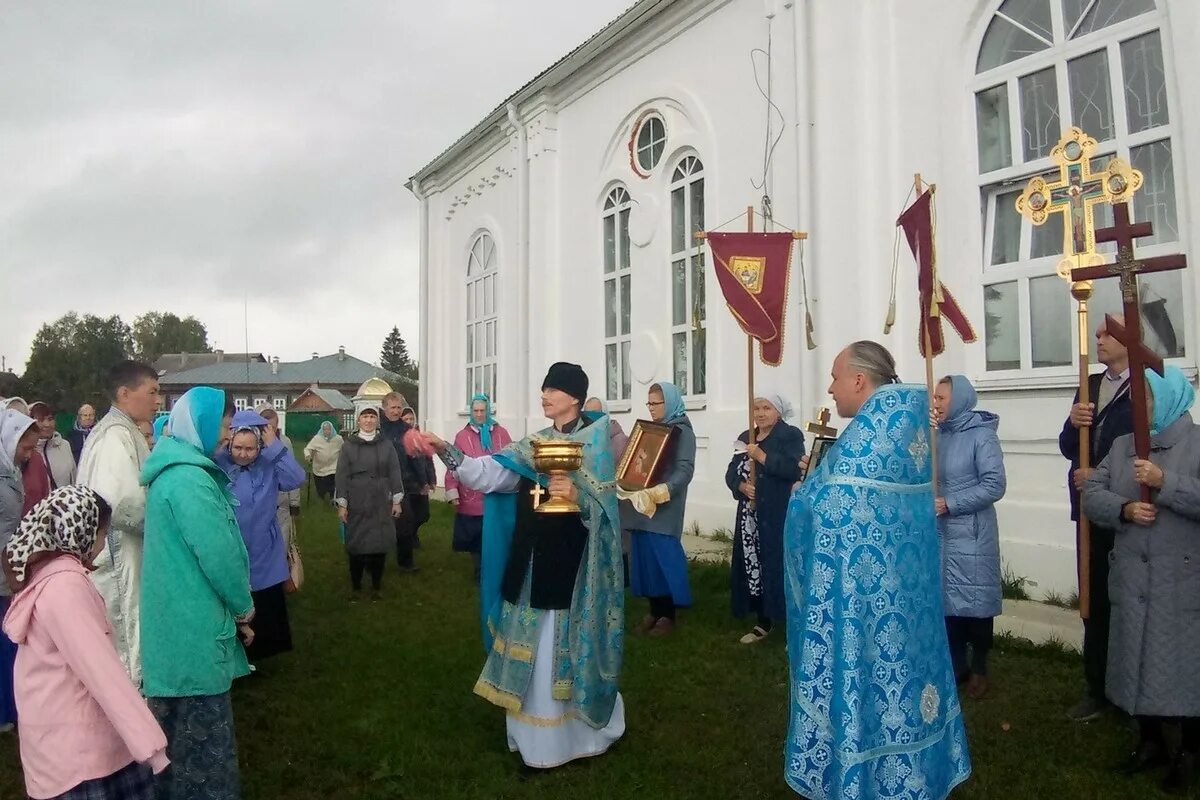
x=174, y=156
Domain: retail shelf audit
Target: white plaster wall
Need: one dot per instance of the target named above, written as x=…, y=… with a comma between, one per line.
x=889, y=95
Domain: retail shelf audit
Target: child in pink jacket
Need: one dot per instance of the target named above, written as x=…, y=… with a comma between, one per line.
x=85, y=731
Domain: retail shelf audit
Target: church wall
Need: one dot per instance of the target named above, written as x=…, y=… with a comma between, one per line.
x=884, y=91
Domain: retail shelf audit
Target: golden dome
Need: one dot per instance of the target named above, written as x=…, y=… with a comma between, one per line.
x=373, y=389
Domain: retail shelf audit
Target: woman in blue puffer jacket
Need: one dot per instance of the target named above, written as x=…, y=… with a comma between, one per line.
x=970, y=482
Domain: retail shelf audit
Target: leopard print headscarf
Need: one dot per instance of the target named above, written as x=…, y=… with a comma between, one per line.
x=65, y=522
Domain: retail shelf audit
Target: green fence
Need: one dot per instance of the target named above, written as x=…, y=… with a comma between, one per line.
x=301, y=426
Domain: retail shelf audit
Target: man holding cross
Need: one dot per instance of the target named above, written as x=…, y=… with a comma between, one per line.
x=1109, y=417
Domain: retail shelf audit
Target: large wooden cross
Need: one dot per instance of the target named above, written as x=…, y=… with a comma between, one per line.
x=1127, y=267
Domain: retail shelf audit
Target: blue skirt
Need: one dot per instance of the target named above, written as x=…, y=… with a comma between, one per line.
x=8, y=658
x=659, y=567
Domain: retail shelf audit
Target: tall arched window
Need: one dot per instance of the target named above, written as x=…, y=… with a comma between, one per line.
x=481, y=317
x=688, y=328
x=1044, y=66
x=617, y=288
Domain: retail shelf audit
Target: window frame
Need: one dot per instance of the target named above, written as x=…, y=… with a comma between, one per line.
x=481, y=341
x=636, y=148
x=691, y=167
x=617, y=207
x=279, y=403
x=1015, y=175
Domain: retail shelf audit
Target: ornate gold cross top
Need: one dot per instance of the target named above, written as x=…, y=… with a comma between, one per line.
x=1075, y=194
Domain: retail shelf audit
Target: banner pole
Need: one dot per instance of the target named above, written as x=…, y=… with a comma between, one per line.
x=750, y=368
x=933, y=431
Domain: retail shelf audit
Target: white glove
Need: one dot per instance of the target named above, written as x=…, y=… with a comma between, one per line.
x=647, y=501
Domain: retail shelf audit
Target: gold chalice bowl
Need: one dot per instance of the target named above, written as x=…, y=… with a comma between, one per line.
x=555, y=457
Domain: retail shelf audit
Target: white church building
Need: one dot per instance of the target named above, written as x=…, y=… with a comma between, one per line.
x=561, y=226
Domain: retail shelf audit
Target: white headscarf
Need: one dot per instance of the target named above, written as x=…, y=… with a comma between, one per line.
x=13, y=425
x=781, y=405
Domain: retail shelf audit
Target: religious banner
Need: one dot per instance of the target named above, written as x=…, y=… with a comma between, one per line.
x=936, y=300
x=752, y=270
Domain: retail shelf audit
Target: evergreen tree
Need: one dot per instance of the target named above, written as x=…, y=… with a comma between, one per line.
x=395, y=357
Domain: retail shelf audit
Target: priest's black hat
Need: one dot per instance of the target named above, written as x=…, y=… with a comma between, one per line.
x=569, y=378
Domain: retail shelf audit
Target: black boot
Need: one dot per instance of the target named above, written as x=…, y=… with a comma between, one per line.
x=1182, y=774
x=1149, y=754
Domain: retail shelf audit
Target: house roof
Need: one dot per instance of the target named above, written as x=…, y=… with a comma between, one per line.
x=332, y=397
x=555, y=73
x=337, y=369
x=176, y=362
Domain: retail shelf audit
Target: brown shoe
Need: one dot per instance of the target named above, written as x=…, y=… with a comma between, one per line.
x=648, y=623
x=663, y=627
x=977, y=687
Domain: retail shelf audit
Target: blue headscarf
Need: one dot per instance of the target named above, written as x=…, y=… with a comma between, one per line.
x=962, y=403
x=160, y=423
x=485, y=430
x=672, y=401
x=196, y=418
x=1173, y=397
x=248, y=419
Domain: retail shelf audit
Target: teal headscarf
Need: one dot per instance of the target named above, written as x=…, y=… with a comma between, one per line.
x=485, y=430
x=327, y=426
x=196, y=418
x=1173, y=397
x=672, y=399
x=160, y=423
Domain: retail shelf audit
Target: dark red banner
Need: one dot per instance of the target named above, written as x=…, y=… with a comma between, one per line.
x=936, y=300
x=752, y=270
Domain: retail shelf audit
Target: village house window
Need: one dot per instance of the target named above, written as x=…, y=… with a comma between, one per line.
x=688, y=326
x=280, y=403
x=482, y=313
x=239, y=403
x=1043, y=67
x=617, y=288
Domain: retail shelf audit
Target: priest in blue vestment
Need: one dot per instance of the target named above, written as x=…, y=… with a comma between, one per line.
x=874, y=710
x=552, y=591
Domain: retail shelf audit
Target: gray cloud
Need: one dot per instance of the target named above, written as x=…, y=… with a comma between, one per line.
x=172, y=156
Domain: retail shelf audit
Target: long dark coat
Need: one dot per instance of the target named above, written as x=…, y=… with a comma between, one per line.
x=1154, y=578
x=368, y=476
x=773, y=488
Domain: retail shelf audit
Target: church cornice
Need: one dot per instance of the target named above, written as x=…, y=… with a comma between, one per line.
x=642, y=29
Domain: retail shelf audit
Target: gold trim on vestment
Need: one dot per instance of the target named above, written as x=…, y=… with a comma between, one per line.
x=496, y=696
x=514, y=651
x=542, y=722
x=562, y=690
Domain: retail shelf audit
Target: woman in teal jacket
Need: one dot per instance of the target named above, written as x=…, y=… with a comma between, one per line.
x=195, y=596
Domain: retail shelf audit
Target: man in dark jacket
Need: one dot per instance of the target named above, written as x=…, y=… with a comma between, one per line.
x=1109, y=416
x=393, y=429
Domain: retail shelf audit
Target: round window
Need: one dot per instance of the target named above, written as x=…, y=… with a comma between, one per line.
x=650, y=143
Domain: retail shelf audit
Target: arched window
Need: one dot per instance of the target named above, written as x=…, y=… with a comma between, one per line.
x=1043, y=67
x=616, y=294
x=688, y=334
x=481, y=317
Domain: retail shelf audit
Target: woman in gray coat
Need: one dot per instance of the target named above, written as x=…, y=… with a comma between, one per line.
x=658, y=566
x=971, y=480
x=1154, y=581
x=369, y=493
x=18, y=439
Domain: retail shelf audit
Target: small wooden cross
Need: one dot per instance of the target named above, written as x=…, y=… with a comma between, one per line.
x=538, y=492
x=1127, y=267
x=820, y=426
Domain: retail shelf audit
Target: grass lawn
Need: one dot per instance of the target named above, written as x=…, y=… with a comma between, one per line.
x=376, y=702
